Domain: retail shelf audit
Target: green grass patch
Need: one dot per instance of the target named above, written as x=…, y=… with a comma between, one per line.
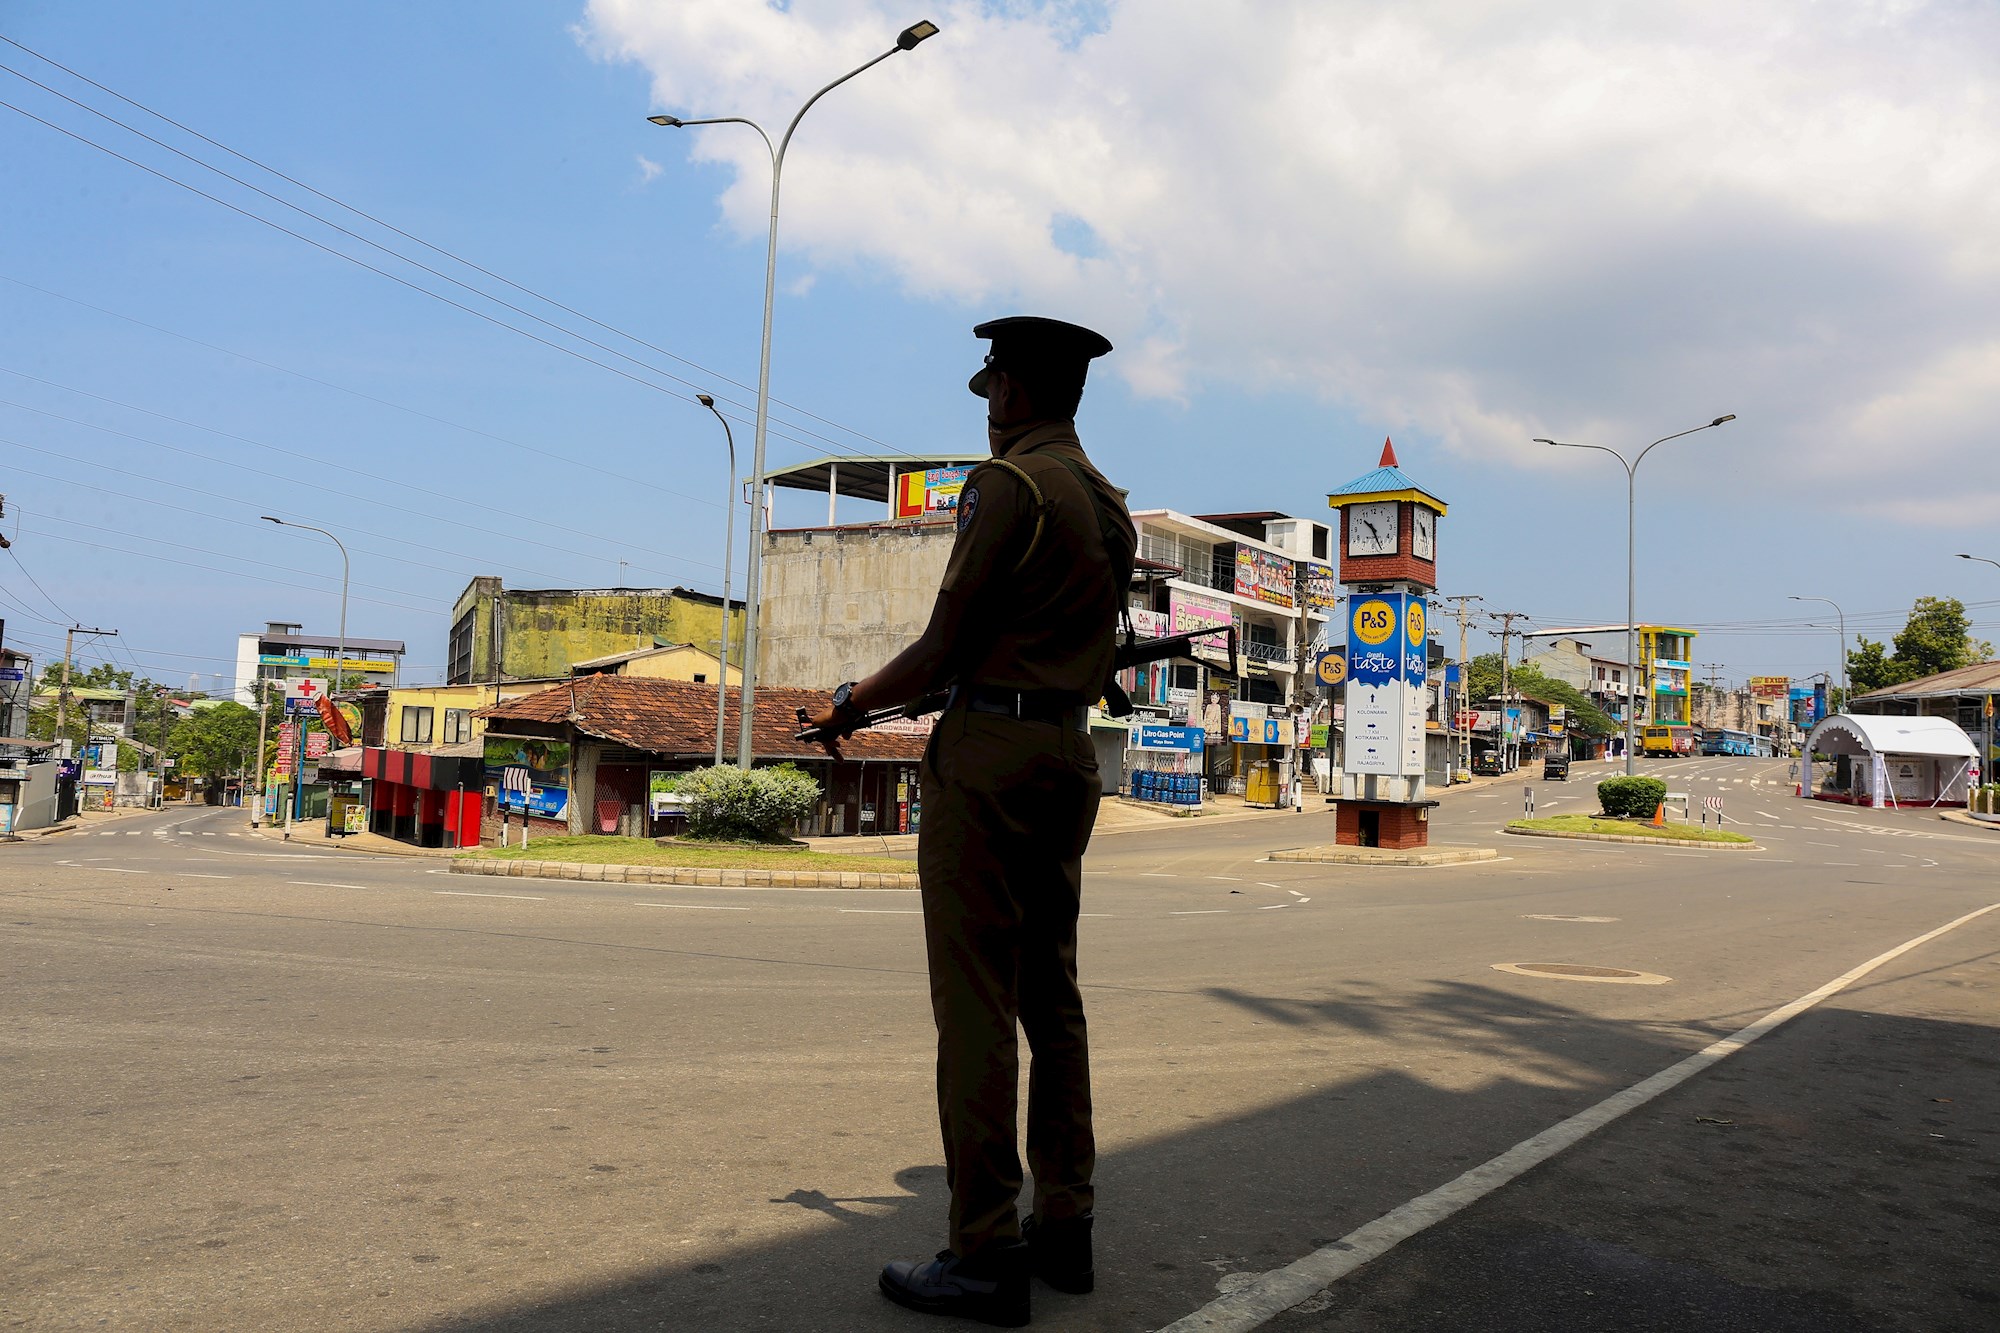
x=606, y=851
x=1628, y=828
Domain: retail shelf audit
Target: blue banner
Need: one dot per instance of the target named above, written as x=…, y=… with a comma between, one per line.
x=1375, y=639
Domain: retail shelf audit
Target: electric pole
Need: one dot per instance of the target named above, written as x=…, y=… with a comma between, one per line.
x=1464, y=747
x=1716, y=717
x=62, y=695
x=1506, y=619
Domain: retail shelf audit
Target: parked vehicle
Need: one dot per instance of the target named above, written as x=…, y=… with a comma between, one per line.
x=1555, y=768
x=1728, y=742
x=1669, y=740
x=1488, y=763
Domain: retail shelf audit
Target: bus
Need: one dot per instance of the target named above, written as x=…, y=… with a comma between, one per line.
x=1721, y=741
x=1669, y=740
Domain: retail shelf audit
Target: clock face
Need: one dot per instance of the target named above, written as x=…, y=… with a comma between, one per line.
x=1425, y=535
x=1371, y=529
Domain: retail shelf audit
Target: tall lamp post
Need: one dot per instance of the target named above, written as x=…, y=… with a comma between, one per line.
x=906, y=40
x=1980, y=558
x=1843, y=638
x=728, y=558
x=1631, y=565
x=340, y=656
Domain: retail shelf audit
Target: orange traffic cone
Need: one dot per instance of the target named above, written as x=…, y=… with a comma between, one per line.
x=1660, y=815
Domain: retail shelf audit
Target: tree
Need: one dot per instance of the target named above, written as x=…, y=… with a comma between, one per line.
x=1936, y=637
x=214, y=742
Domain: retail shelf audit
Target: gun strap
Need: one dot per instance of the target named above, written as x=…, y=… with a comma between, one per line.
x=1106, y=530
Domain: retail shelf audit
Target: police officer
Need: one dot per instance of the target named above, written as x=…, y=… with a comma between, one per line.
x=1022, y=633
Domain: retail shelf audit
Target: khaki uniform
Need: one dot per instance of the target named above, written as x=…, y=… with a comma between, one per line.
x=1008, y=805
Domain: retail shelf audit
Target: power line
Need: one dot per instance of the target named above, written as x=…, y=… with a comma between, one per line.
x=387, y=226
x=826, y=441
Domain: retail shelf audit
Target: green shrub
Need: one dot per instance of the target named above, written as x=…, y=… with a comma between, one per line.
x=728, y=804
x=1631, y=798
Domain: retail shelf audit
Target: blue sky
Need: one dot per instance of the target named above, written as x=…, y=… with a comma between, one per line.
x=1460, y=225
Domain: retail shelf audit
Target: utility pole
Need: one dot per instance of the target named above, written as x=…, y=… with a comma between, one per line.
x=263, y=718
x=1464, y=748
x=62, y=695
x=1506, y=619
x=1716, y=716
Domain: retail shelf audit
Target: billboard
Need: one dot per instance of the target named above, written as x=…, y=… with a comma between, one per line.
x=1386, y=698
x=933, y=491
x=1322, y=589
x=1263, y=576
x=1770, y=687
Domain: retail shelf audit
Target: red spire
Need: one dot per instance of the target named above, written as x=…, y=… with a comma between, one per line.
x=1388, y=453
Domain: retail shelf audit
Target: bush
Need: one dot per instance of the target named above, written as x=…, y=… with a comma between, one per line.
x=1631, y=798
x=728, y=804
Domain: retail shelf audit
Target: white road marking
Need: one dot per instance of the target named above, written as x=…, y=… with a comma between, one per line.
x=1270, y=1294
x=1294, y=892
x=1759, y=813
x=461, y=893
x=1206, y=911
x=1227, y=879
x=694, y=907
x=1851, y=864
x=116, y=871
x=878, y=911
x=1155, y=874
x=1305, y=900
x=324, y=884
x=1823, y=844
x=1274, y=907
x=189, y=874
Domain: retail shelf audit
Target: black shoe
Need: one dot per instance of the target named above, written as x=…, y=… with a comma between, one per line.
x=992, y=1289
x=1059, y=1253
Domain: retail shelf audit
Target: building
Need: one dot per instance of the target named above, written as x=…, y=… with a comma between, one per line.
x=17, y=686
x=107, y=712
x=1969, y=696
x=1574, y=662
x=673, y=661
x=542, y=633
x=281, y=653
x=1663, y=679
x=1264, y=573
x=589, y=748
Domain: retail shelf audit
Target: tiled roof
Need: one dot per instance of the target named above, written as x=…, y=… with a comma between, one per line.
x=677, y=718
x=1979, y=678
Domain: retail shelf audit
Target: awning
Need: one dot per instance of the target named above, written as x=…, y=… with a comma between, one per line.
x=1855, y=733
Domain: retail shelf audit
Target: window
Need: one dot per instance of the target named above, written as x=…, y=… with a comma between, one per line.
x=457, y=724
x=1319, y=541
x=416, y=725
x=459, y=671
x=701, y=678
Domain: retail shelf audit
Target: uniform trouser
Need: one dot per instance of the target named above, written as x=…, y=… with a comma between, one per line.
x=1007, y=810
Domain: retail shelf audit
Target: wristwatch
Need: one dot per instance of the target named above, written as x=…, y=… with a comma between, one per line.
x=843, y=704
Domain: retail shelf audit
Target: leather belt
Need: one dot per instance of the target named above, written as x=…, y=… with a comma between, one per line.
x=1023, y=705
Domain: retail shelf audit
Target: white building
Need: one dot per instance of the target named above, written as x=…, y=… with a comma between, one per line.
x=280, y=653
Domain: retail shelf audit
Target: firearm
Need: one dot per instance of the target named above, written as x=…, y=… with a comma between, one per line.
x=1131, y=652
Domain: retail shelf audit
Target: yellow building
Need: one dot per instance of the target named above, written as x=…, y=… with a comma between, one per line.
x=542, y=634
x=1665, y=666
x=674, y=661
x=431, y=717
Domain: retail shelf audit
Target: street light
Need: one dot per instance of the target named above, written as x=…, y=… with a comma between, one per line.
x=1843, y=638
x=1980, y=558
x=339, y=657
x=1631, y=577
x=906, y=40
x=728, y=558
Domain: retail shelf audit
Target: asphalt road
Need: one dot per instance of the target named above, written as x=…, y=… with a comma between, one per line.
x=257, y=1087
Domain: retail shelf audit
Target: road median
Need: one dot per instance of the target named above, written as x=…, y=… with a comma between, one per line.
x=1588, y=828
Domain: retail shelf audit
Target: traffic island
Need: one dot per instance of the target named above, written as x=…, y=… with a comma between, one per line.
x=1591, y=828
x=641, y=861
x=1336, y=854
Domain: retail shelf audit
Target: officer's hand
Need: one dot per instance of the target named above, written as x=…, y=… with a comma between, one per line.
x=830, y=738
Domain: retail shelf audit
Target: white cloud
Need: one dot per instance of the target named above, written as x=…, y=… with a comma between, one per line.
x=648, y=169
x=1485, y=220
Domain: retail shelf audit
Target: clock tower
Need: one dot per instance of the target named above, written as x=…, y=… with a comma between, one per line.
x=1388, y=560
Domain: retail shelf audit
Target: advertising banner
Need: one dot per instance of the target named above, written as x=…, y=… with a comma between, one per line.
x=1192, y=613
x=1375, y=647
x=1189, y=739
x=1330, y=667
x=316, y=744
x=1322, y=589
x=547, y=762
x=1770, y=687
x=354, y=664
x=546, y=802
x=1263, y=576
x=935, y=491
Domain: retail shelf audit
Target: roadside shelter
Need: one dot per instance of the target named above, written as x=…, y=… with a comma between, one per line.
x=1878, y=761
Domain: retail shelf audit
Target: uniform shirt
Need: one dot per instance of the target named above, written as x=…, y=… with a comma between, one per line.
x=1047, y=625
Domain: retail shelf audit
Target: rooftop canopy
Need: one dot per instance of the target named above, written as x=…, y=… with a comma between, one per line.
x=1859, y=733
x=864, y=477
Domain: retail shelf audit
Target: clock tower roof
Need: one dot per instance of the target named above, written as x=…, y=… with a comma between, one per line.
x=1384, y=483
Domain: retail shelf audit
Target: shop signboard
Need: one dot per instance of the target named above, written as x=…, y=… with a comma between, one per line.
x=1191, y=613
x=1770, y=687
x=12, y=673
x=316, y=744
x=1188, y=739
x=1330, y=667
x=547, y=762
x=547, y=802
x=1263, y=576
x=100, y=777
x=268, y=659
x=1318, y=736
x=354, y=664
x=933, y=491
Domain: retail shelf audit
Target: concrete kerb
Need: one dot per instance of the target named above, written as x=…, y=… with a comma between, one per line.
x=1335, y=854
x=1635, y=839
x=697, y=876
x=1989, y=822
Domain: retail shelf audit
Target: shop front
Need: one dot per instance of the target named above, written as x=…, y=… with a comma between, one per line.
x=426, y=800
